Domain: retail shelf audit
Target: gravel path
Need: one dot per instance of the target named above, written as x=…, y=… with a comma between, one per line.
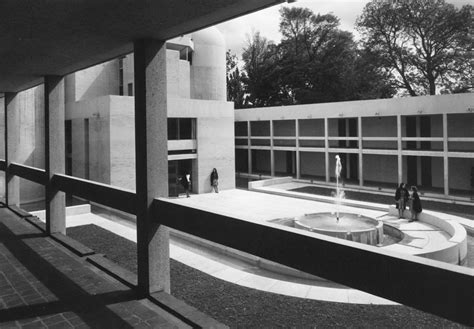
x=241, y=307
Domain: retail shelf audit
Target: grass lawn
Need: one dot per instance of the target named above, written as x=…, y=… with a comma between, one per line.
x=241, y=307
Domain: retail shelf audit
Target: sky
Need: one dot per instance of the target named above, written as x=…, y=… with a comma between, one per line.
x=266, y=21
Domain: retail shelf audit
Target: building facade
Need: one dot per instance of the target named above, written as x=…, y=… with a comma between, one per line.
x=99, y=119
x=426, y=141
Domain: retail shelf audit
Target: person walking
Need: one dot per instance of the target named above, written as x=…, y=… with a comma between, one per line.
x=215, y=180
x=186, y=183
x=415, y=207
x=401, y=198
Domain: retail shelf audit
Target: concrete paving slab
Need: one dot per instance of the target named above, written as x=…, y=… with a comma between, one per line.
x=43, y=285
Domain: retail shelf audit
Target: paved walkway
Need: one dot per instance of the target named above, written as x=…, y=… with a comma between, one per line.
x=42, y=285
x=256, y=206
x=233, y=269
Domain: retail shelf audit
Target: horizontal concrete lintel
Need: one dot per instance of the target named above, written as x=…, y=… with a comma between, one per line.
x=410, y=280
x=33, y=174
x=121, y=199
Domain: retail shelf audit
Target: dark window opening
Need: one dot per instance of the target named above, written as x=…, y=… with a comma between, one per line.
x=181, y=128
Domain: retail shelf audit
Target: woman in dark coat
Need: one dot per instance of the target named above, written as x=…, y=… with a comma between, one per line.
x=401, y=198
x=215, y=180
x=415, y=204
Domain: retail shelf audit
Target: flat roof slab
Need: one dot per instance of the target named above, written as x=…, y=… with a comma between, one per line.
x=39, y=38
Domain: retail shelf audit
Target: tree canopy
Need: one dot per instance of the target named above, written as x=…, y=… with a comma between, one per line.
x=411, y=47
x=425, y=46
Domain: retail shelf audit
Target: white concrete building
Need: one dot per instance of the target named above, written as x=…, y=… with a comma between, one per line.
x=426, y=141
x=99, y=119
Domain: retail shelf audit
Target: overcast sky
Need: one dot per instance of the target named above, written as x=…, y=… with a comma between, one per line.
x=266, y=21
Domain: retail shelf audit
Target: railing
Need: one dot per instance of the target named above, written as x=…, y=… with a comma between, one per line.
x=443, y=289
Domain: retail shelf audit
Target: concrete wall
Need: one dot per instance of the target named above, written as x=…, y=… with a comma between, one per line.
x=31, y=139
x=177, y=75
x=215, y=149
x=368, y=108
x=91, y=121
x=122, y=142
x=208, y=69
x=128, y=73
x=98, y=80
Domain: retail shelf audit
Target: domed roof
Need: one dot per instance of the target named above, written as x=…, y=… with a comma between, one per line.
x=209, y=36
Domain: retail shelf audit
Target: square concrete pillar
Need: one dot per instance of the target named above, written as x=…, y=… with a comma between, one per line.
x=54, y=103
x=12, y=143
x=151, y=149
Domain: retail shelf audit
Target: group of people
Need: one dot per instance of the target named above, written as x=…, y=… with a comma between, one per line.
x=404, y=198
x=186, y=181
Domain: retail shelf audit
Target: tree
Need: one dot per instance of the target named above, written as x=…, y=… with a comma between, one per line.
x=425, y=46
x=261, y=65
x=235, y=86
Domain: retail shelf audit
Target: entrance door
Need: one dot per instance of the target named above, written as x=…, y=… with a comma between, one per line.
x=176, y=170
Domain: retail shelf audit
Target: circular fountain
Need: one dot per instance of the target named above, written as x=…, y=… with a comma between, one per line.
x=344, y=226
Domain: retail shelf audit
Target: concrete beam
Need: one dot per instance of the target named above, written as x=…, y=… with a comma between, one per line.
x=12, y=142
x=54, y=102
x=151, y=155
x=407, y=279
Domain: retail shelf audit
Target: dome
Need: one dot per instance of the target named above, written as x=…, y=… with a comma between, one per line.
x=210, y=36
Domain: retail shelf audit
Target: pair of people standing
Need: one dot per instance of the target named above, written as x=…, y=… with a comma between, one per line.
x=402, y=196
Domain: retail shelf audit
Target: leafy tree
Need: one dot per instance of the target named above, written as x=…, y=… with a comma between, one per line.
x=235, y=86
x=321, y=63
x=425, y=46
x=262, y=72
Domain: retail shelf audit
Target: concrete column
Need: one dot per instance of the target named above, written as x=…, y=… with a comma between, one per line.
x=326, y=148
x=272, y=154
x=445, y=155
x=399, y=148
x=297, y=133
x=12, y=142
x=361, y=162
x=418, y=146
x=54, y=141
x=151, y=154
x=249, y=145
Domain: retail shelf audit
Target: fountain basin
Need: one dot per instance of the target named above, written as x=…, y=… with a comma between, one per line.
x=350, y=226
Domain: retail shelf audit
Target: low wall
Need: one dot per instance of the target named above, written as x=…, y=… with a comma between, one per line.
x=243, y=256
x=70, y=211
x=269, y=182
x=455, y=251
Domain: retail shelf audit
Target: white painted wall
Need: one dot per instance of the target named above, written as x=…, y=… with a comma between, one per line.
x=215, y=149
x=208, y=69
